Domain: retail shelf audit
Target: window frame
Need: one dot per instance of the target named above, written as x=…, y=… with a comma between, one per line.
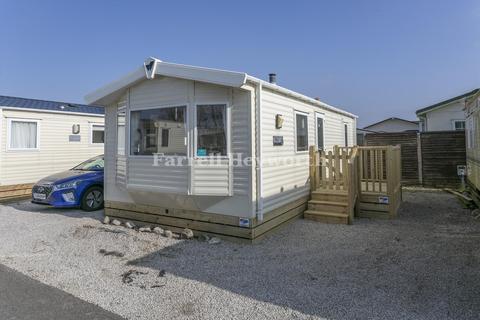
x=163, y=144
x=345, y=134
x=97, y=124
x=128, y=126
x=120, y=110
x=470, y=132
x=306, y=114
x=227, y=130
x=9, y=134
x=319, y=116
x=454, y=121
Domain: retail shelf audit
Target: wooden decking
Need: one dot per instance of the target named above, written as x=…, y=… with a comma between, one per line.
x=358, y=181
x=328, y=206
x=218, y=225
x=16, y=191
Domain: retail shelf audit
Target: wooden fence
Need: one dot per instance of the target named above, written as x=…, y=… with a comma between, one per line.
x=409, y=147
x=428, y=158
x=17, y=191
x=380, y=184
x=370, y=177
x=329, y=170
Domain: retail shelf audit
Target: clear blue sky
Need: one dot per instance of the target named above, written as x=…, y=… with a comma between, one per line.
x=374, y=58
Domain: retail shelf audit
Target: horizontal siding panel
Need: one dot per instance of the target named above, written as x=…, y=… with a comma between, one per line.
x=159, y=92
x=282, y=182
x=56, y=152
x=141, y=172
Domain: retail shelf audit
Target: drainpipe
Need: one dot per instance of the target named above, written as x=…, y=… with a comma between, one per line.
x=258, y=161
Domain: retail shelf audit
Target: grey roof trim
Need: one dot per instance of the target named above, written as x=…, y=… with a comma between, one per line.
x=392, y=118
x=54, y=111
x=108, y=93
x=445, y=102
x=114, y=90
x=47, y=105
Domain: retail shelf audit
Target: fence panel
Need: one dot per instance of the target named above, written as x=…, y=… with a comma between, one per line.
x=409, y=151
x=440, y=153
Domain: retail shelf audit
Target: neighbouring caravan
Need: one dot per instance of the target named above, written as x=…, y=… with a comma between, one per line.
x=472, y=138
x=39, y=138
x=219, y=152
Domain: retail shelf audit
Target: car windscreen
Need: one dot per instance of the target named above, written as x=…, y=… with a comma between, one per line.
x=94, y=164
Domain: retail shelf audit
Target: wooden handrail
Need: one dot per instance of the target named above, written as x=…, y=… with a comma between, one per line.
x=361, y=172
x=331, y=170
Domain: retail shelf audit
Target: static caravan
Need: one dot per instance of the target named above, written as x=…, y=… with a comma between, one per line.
x=472, y=138
x=219, y=152
x=446, y=115
x=39, y=138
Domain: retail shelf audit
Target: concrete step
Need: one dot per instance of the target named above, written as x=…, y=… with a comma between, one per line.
x=328, y=206
x=326, y=217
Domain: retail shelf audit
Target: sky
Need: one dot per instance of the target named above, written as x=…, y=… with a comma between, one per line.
x=376, y=59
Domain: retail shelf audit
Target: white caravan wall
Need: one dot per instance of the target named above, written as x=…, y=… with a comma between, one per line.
x=56, y=152
x=285, y=182
x=167, y=186
x=442, y=118
x=393, y=125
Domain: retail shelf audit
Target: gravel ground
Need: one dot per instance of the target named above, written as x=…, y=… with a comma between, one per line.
x=423, y=265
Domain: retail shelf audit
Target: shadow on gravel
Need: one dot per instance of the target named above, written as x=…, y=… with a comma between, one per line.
x=28, y=207
x=424, y=264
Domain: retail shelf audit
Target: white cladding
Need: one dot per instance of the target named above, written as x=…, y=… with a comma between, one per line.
x=393, y=125
x=55, y=151
x=224, y=188
x=146, y=181
x=286, y=171
x=443, y=118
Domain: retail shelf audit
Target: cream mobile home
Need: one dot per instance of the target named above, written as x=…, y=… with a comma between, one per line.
x=216, y=151
x=39, y=138
x=472, y=139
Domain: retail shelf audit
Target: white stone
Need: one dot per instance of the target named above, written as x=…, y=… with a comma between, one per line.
x=187, y=233
x=168, y=233
x=116, y=222
x=158, y=230
x=145, y=229
x=106, y=220
x=204, y=237
x=129, y=225
x=214, y=240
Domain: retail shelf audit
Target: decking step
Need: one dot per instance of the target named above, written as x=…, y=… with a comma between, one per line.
x=326, y=217
x=330, y=195
x=330, y=191
x=328, y=206
x=332, y=203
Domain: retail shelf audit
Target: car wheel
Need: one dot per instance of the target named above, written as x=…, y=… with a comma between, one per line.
x=93, y=199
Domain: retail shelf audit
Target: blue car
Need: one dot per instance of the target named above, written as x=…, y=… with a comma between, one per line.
x=81, y=187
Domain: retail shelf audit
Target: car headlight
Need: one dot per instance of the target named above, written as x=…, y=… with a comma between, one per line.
x=66, y=185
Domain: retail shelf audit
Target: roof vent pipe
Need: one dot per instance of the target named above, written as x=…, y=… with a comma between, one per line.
x=272, y=78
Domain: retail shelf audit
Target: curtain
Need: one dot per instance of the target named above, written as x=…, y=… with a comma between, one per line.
x=23, y=135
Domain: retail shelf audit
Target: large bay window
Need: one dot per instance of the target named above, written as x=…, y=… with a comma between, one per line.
x=158, y=131
x=301, y=132
x=211, y=130
x=23, y=134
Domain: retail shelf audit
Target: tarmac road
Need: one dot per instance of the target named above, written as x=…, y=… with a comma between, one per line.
x=24, y=298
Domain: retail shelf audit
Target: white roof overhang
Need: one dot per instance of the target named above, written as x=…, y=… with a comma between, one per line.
x=152, y=67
